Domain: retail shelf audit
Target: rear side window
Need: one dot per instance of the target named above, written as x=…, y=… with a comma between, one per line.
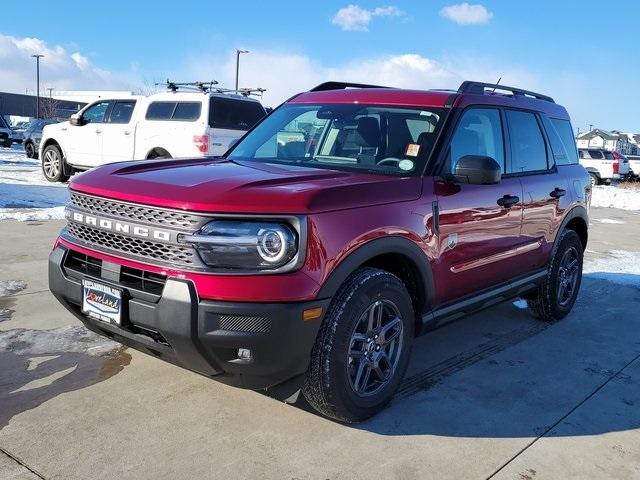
x=177, y=111
x=609, y=156
x=565, y=132
x=122, y=111
x=234, y=114
x=528, y=150
x=595, y=154
x=478, y=133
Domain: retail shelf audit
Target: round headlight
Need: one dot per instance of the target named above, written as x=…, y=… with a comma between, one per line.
x=274, y=243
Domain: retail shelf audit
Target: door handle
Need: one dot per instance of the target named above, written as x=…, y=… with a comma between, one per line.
x=64, y=129
x=127, y=132
x=558, y=192
x=98, y=132
x=508, y=201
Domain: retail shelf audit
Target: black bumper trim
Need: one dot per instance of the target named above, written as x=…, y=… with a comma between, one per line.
x=189, y=334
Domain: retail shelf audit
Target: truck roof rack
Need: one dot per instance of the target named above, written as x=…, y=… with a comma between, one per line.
x=342, y=86
x=207, y=87
x=478, y=88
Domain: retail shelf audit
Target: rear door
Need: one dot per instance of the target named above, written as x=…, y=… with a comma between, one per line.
x=229, y=119
x=546, y=192
x=479, y=239
x=118, y=132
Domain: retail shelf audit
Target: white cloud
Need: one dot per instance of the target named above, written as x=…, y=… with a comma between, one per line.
x=356, y=19
x=466, y=14
x=60, y=68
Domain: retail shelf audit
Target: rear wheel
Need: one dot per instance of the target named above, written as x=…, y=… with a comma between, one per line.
x=558, y=292
x=363, y=347
x=53, y=164
x=595, y=180
x=30, y=150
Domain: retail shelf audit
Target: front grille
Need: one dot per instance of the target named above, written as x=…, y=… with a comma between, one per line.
x=137, y=213
x=130, y=246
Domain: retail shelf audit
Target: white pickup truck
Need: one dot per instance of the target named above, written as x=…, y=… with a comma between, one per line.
x=603, y=165
x=170, y=124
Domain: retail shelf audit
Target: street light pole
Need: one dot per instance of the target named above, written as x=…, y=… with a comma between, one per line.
x=238, y=52
x=37, y=56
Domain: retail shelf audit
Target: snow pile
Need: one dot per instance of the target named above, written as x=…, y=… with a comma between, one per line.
x=24, y=193
x=69, y=339
x=11, y=286
x=615, y=197
x=620, y=266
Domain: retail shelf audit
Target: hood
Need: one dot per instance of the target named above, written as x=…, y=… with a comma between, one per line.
x=216, y=185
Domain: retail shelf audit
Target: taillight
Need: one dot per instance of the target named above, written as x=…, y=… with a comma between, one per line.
x=616, y=166
x=201, y=142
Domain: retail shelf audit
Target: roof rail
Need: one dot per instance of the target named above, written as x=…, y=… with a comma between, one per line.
x=478, y=88
x=342, y=86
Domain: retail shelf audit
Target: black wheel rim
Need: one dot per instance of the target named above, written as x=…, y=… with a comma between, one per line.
x=375, y=348
x=567, y=276
x=30, y=150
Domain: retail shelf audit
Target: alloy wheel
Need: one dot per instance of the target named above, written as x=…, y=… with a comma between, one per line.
x=567, y=276
x=51, y=163
x=375, y=348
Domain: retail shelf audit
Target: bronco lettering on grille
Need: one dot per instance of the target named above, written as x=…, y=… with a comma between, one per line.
x=119, y=226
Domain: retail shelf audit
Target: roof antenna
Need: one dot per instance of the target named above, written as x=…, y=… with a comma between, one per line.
x=496, y=86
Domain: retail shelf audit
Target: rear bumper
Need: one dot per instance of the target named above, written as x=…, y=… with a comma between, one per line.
x=202, y=336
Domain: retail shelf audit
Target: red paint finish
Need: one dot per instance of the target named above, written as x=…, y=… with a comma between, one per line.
x=479, y=243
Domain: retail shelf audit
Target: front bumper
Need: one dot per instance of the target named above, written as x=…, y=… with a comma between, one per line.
x=202, y=336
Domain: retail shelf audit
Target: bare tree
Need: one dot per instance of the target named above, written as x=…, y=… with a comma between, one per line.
x=49, y=108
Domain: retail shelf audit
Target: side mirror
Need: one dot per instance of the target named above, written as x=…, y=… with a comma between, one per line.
x=76, y=120
x=477, y=170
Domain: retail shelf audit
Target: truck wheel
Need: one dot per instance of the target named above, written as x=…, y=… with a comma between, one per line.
x=53, y=164
x=594, y=179
x=363, y=347
x=30, y=150
x=558, y=292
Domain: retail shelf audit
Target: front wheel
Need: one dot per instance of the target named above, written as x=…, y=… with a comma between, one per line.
x=558, y=292
x=363, y=347
x=53, y=164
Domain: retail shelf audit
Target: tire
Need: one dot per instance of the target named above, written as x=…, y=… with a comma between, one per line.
x=337, y=383
x=595, y=180
x=30, y=150
x=53, y=164
x=552, y=302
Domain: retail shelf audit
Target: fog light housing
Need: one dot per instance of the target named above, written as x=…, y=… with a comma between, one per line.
x=244, y=354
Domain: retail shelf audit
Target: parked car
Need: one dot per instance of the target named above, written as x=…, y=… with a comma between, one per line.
x=604, y=165
x=33, y=135
x=315, y=263
x=164, y=125
x=634, y=166
x=5, y=133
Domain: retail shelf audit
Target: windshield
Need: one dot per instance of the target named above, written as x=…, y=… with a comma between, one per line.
x=381, y=139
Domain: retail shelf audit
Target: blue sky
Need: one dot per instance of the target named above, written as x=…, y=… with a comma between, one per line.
x=583, y=53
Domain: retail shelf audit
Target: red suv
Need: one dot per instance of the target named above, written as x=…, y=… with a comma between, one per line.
x=350, y=220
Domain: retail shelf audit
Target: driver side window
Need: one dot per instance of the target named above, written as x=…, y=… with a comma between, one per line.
x=478, y=133
x=95, y=113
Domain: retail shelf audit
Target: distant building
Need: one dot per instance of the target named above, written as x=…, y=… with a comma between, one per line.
x=19, y=105
x=596, y=138
x=632, y=142
x=88, y=96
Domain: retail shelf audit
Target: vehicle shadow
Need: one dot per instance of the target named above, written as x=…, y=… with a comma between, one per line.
x=509, y=375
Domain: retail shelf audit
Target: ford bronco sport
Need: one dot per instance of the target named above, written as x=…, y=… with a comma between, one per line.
x=350, y=220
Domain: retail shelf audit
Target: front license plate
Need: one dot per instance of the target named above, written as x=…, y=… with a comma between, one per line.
x=101, y=302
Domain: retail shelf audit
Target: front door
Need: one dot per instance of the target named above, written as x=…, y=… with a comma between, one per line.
x=84, y=144
x=118, y=132
x=479, y=237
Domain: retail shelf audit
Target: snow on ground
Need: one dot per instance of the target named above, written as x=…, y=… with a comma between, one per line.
x=10, y=287
x=615, y=197
x=608, y=220
x=69, y=339
x=24, y=193
x=619, y=266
